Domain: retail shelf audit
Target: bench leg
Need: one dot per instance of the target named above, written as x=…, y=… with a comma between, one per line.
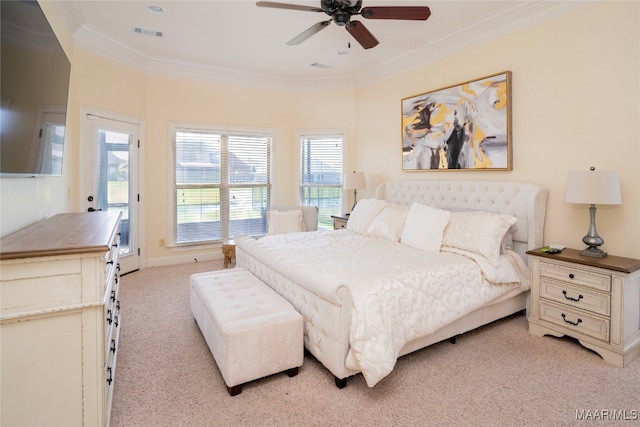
x=292, y=372
x=235, y=390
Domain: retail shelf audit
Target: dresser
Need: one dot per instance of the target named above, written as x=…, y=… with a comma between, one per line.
x=59, y=320
x=596, y=301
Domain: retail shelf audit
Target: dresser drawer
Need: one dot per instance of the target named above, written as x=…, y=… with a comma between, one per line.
x=575, y=296
x=579, y=321
x=111, y=308
x=576, y=276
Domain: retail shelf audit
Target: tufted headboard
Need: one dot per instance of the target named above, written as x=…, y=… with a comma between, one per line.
x=527, y=202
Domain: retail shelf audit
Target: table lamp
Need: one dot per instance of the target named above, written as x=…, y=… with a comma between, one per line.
x=354, y=181
x=593, y=187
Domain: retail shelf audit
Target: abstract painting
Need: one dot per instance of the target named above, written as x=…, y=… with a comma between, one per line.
x=462, y=127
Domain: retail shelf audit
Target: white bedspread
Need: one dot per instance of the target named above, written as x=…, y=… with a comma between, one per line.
x=398, y=293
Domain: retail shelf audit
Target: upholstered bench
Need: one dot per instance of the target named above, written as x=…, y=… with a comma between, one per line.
x=251, y=331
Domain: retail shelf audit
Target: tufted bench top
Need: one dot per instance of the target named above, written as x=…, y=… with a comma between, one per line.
x=238, y=299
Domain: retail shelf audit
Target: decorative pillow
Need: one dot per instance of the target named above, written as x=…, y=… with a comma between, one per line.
x=363, y=215
x=281, y=222
x=507, y=241
x=479, y=232
x=389, y=223
x=424, y=227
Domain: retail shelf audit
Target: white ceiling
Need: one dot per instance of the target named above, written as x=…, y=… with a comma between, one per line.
x=238, y=42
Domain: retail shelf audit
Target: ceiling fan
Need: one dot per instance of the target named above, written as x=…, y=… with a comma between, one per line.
x=341, y=12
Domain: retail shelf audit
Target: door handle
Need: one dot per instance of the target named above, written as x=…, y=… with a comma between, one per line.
x=93, y=210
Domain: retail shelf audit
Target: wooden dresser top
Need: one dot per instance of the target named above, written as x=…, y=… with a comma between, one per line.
x=611, y=262
x=62, y=234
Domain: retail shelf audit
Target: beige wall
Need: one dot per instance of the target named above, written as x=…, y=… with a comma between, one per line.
x=575, y=104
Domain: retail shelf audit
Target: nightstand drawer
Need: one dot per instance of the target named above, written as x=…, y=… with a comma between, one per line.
x=339, y=222
x=585, y=299
x=576, y=320
x=576, y=276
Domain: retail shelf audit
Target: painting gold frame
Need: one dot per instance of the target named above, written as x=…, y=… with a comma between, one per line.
x=466, y=126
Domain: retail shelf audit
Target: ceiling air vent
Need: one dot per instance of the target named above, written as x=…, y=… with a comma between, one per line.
x=146, y=32
x=319, y=65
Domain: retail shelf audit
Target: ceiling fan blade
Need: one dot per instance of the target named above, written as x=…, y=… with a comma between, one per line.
x=308, y=33
x=414, y=13
x=361, y=34
x=288, y=6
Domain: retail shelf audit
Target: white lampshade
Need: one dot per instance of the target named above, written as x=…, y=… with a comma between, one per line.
x=353, y=181
x=593, y=187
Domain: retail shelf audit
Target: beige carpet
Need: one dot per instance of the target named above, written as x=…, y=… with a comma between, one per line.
x=498, y=375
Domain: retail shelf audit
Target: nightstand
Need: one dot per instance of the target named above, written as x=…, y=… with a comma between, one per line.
x=596, y=301
x=228, y=251
x=339, y=221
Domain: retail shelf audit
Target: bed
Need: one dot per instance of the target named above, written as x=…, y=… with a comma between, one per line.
x=379, y=290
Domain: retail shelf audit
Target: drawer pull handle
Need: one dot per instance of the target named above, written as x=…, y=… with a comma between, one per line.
x=109, y=318
x=117, y=321
x=570, y=322
x=109, y=376
x=118, y=305
x=113, y=296
x=571, y=298
x=113, y=346
x=571, y=276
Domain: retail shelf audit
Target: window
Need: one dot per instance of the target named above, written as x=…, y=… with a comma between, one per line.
x=222, y=184
x=321, y=175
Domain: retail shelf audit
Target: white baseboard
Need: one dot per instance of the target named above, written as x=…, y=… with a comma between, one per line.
x=183, y=258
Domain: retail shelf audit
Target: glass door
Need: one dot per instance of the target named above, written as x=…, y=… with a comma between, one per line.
x=114, y=181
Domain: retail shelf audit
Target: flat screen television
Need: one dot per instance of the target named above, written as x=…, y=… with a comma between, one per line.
x=34, y=87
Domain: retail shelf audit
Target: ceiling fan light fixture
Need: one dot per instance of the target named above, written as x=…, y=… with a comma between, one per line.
x=341, y=18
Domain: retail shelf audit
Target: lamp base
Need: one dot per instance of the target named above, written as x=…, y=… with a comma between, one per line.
x=593, y=252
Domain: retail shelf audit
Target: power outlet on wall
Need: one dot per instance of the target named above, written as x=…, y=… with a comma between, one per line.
x=163, y=243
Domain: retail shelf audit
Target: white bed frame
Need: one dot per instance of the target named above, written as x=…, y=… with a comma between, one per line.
x=327, y=317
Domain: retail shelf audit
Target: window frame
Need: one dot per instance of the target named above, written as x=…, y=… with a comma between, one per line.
x=227, y=130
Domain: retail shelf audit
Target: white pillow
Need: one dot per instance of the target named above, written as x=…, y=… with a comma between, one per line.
x=479, y=232
x=389, y=223
x=507, y=241
x=424, y=227
x=363, y=215
x=281, y=222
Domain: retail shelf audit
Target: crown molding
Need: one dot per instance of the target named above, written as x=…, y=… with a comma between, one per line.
x=502, y=23
x=102, y=44
x=72, y=15
x=508, y=20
